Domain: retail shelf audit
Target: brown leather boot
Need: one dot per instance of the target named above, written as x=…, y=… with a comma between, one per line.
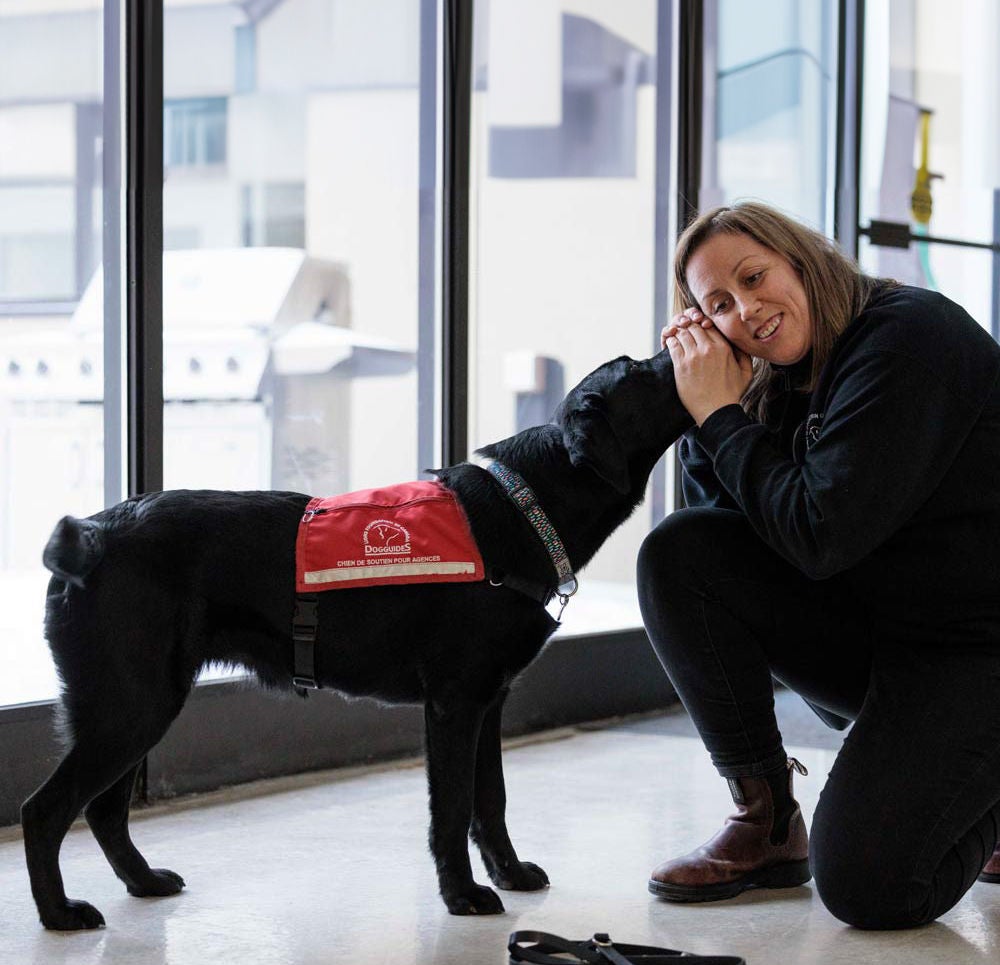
x=992, y=870
x=763, y=845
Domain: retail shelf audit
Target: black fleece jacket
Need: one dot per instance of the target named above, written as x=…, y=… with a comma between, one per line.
x=887, y=476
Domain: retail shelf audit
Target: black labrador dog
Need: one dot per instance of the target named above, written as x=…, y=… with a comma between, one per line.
x=148, y=592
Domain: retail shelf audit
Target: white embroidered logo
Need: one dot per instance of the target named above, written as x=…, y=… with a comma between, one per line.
x=383, y=537
x=813, y=424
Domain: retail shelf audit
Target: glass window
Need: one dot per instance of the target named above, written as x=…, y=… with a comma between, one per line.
x=964, y=272
x=290, y=286
x=563, y=202
x=51, y=345
x=770, y=96
x=290, y=270
x=931, y=101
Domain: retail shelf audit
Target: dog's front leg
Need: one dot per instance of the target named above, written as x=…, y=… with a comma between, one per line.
x=452, y=732
x=489, y=825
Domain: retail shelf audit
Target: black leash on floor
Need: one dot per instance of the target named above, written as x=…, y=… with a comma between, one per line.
x=541, y=948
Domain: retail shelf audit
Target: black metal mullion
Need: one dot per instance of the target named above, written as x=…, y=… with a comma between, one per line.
x=144, y=243
x=995, y=270
x=690, y=99
x=456, y=120
x=144, y=255
x=850, y=59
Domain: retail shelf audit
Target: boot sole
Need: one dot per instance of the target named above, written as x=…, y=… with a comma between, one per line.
x=790, y=874
x=991, y=877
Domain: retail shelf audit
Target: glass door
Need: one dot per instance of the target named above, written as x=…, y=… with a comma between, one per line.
x=930, y=163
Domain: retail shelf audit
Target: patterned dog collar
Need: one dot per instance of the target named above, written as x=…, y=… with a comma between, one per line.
x=522, y=495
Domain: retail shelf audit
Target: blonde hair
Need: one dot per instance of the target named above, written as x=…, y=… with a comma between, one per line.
x=836, y=288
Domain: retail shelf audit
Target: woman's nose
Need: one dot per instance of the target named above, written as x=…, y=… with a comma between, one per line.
x=748, y=307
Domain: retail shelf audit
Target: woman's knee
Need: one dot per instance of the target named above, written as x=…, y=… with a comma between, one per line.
x=685, y=540
x=863, y=875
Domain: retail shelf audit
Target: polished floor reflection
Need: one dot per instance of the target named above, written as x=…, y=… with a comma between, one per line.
x=334, y=868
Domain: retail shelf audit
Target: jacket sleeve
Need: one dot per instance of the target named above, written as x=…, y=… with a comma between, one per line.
x=700, y=485
x=890, y=431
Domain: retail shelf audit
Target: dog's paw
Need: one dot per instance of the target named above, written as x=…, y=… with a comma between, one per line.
x=159, y=883
x=72, y=916
x=478, y=900
x=524, y=876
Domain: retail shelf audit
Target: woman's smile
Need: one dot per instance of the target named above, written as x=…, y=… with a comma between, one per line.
x=771, y=328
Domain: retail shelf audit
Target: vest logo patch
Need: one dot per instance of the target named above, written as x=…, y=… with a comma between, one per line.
x=384, y=537
x=814, y=423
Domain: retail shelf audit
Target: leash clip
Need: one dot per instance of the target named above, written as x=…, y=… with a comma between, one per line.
x=564, y=591
x=567, y=589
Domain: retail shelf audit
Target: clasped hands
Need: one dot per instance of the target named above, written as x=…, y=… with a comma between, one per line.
x=710, y=372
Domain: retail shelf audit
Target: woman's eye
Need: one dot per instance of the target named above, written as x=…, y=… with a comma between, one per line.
x=754, y=278
x=719, y=306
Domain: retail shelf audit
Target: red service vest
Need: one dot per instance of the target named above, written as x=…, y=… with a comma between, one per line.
x=414, y=532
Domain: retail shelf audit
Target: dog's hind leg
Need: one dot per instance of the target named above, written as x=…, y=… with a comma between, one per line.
x=107, y=816
x=46, y=816
x=452, y=732
x=102, y=758
x=489, y=824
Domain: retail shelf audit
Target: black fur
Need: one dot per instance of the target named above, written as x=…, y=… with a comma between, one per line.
x=150, y=591
x=74, y=549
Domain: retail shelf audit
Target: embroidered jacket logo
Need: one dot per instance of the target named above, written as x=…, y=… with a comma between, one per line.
x=814, y=423
x=383, y=537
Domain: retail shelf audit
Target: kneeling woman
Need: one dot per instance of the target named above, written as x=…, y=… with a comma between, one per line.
x=842, y=537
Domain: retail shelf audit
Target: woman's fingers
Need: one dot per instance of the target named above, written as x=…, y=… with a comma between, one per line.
x=687, y=318
x=709, y=373
x=714, y=336
x=687, y=338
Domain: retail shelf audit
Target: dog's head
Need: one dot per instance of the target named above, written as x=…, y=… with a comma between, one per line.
x=623, y=409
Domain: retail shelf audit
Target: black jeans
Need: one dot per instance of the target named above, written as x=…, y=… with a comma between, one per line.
x=911, y=809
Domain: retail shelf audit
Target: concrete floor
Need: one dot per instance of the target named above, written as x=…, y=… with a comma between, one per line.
x=334, y=868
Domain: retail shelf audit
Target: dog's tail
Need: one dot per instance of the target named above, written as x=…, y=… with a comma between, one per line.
x=75, y=547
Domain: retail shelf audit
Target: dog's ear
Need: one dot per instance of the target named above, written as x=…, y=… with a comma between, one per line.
x=591, y=441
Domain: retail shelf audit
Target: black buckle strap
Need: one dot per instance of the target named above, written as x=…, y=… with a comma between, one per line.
x=552, y=950
x=536, y=591
x=305, y=626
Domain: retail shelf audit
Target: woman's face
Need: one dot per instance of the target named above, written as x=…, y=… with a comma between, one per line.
x=753, y=296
